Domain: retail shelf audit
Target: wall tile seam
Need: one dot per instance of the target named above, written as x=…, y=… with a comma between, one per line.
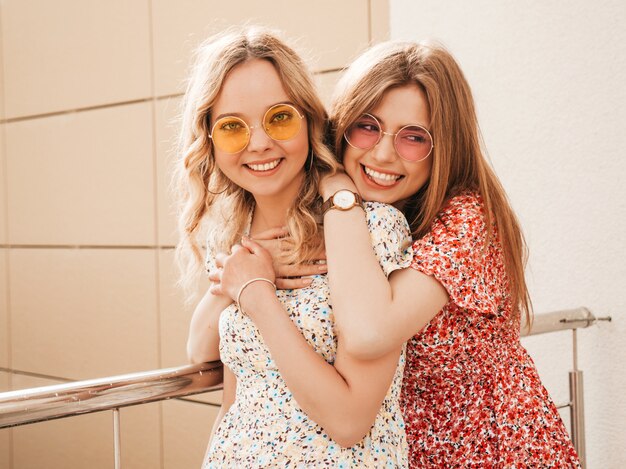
x=33, y=374
x=369, y=22
x=97, y=107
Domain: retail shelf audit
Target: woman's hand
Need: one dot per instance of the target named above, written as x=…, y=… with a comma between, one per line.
x=332, y=183
x=247, y=261
x=288, y=275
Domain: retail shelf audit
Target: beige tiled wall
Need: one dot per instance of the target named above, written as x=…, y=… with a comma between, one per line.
x=84, y=178
x=186, y=430
x=379, y=20
x=3, y=184
x=175, y=313
x=166, y=129
x=87, y=441
x=5, y=435
x=84, y=313
x=330, y=31
x=69, y=55
x=325, y=83
x=88, y=100
x=1, y=70
x=4, y=311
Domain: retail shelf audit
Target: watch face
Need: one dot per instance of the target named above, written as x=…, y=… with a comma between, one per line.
x=344, y=199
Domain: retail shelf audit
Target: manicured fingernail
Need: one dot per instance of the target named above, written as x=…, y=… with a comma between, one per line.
x=323, y=268
x=307, y=281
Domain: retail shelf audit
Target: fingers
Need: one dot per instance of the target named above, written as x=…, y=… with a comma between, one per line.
x=272, y=233
x=300, y=270
x=215, y=276
x=292, y=283
x=220, y=258
x=277, y=243
x=216, y=289
x=252, y=246
x=287, y=244
x=320, y=254
x=236, y=248
x=274, y=246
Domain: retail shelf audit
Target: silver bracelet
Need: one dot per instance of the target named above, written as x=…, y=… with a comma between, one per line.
x=258, y=279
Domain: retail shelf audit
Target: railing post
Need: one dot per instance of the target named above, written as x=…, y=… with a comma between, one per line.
x=577, y=405
x=117, y=440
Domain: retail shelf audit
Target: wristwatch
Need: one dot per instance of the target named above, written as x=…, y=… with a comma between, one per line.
x=342, y=200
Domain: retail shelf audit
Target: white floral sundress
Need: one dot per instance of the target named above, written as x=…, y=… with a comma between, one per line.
x=265, y=427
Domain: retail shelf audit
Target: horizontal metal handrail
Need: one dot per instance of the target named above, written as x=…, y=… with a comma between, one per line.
x=51, y=402
x=566, y=319
x=63, y=400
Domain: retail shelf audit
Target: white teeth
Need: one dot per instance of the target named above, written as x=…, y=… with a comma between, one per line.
x=383, y=177
x=264, y=167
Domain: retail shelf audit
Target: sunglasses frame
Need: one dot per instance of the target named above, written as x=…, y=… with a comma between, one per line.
x=382, y=133
x=249, y=128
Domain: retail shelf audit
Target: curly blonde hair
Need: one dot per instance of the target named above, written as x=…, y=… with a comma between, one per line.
x=203, y=192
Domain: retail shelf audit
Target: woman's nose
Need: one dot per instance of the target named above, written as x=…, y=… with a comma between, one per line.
x=259, y=140
x=385, y=151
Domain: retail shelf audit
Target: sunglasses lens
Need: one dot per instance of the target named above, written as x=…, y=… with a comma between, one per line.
x=282, y=122
x=413, y=143
x=364, y=133
x=230, y=134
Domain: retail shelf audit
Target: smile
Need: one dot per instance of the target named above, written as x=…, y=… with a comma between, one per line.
x=382, y=179
x=264, y=166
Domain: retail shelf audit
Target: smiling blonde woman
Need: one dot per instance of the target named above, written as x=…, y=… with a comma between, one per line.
x=251, y=159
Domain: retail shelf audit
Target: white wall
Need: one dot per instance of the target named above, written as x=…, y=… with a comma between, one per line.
x=549, y=80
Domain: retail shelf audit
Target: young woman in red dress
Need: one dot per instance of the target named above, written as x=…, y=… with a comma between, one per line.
x=406, y=131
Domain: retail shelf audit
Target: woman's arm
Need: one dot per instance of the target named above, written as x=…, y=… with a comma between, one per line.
x=203, y=339
x=344, y=399
x=375, y=314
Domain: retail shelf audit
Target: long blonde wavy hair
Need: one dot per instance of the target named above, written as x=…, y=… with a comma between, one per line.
x=459, y=163
x=204, y=193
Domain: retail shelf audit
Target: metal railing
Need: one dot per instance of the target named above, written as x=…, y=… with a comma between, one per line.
x=65, y=400
x=570, y=319
x=83, y=397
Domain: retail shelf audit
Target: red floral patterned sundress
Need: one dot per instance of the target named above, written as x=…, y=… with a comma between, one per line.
x=471, y=394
